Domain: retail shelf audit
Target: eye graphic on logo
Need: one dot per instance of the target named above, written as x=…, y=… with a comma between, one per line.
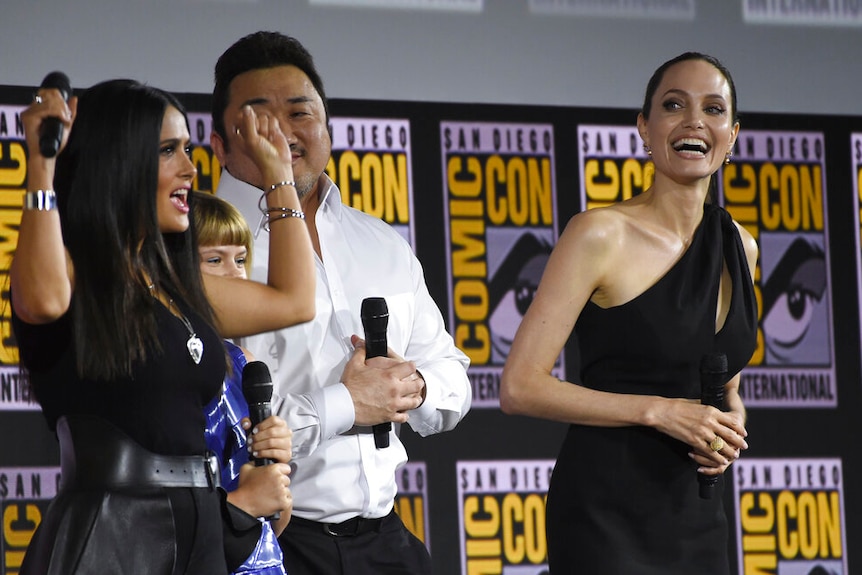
x=511, y=290
x=791, y=295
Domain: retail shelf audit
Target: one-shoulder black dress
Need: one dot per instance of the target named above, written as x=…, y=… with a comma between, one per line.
x=624, y=501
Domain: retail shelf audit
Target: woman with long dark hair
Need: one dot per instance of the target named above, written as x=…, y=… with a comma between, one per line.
x=121, y=335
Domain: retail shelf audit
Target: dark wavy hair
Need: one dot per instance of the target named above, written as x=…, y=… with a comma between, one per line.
x=258, y=51
x=106, y=181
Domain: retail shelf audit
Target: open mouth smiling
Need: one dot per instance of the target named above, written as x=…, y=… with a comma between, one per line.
x=694, y=146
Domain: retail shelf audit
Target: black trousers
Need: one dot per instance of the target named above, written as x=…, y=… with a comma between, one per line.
x=384, y=548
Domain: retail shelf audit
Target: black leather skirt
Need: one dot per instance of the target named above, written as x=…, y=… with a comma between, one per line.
x=121, y=509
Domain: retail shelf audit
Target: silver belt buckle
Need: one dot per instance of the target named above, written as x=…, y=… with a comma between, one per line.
x=212, y=471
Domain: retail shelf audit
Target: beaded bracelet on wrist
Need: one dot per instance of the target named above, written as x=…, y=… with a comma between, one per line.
x=274, y=214
x=272, y=188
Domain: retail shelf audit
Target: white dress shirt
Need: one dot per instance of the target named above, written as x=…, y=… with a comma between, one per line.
x=338, y=472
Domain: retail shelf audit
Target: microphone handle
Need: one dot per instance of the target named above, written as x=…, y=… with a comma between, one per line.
x=257, y=412
x=713, y=395
x=375, y=346
x=50, y=136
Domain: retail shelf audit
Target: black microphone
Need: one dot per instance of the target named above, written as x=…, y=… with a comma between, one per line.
x=51, y=130
x=375, y=318
x=713, y=376
x=257, y=390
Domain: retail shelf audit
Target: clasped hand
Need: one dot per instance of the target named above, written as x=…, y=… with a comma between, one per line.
x=698, y=426
x=263, y=491
x=382, y=388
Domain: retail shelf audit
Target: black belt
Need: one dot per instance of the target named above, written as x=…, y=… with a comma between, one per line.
x=94, y=454
x=350, y=528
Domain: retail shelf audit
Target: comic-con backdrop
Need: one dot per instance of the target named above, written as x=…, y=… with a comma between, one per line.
x=482, y=192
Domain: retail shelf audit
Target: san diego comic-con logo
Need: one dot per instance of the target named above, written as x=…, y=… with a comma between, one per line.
x=500, y=211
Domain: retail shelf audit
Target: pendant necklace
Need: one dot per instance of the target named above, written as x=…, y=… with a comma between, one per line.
x=194, y=344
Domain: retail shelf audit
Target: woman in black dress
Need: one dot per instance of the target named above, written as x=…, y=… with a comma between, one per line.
x=650, y=286
x=120, y=334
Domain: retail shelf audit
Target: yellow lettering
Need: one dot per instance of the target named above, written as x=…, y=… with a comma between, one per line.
x=759, y=564
x=740, y=188
x=513, y=513
x=482, y=524
x=541, y=208
x=466, y=183
x=636, y=176
x=411, y=510
x=770, y=214
x=495, y=171
x=534, y=528
x=829, y=524
x=471, y=300
x=468, y=248
x=9, y=222
x=209, y=170
x=20, y=538
x=601, y=181
x=484, y=566
x=489, y=508
x=811, y=192
x=475, y=341
x=395, y=189
x=15, y=176
x=518, y=191
x=372, y=186
x=788, y=540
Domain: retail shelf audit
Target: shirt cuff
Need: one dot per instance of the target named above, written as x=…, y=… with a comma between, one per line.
x=335, y=407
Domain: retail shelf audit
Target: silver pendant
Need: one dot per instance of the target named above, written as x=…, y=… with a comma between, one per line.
x=196, y=348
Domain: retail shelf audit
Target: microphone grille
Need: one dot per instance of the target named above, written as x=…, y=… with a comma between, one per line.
x=256, y=382
x=373, y=307
x=374, y=314
x=60, y=81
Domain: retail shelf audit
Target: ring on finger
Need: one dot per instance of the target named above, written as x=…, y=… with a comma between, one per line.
x=717, y=443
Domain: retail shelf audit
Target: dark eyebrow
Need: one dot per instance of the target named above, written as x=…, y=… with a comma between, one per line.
x=294, y=100
x=174, y=141
x=684, y=93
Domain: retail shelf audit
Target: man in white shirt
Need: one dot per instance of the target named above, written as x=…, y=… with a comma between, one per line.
x=343, y=485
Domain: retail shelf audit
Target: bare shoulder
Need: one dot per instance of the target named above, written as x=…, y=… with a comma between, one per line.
x=597, y=230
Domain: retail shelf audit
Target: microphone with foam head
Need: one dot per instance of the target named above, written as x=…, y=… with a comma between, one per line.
x=713, y=376
x=51, y=130
x=257, y=390
x=375, y=319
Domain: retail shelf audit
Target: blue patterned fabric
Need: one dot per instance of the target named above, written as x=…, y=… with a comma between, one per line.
x=226, y=438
